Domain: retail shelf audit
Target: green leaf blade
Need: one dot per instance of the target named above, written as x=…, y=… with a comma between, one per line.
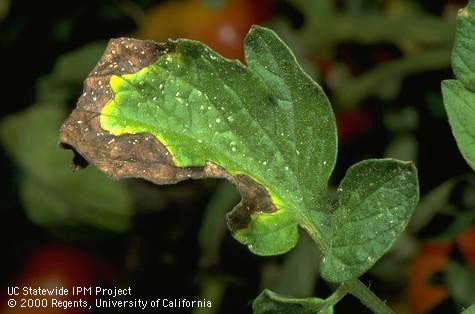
x=376, y=200
x=460, y=106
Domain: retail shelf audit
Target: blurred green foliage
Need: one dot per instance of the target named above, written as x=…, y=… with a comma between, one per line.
x=4, y=8
x=53, y=197
x=60, y=86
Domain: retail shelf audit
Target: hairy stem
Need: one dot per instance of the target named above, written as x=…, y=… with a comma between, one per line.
x=367, y=297
x=335, y=297
x=355, y=286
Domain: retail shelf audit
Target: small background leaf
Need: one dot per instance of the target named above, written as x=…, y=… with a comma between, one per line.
x=269, y=302
x=298, y=274
x=432, y=203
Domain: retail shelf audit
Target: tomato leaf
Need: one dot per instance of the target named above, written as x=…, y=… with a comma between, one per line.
x=52, y=195
x=268, y=128
x=375, y=201
x=459, y=95
x=269, y=302
x=174, y=111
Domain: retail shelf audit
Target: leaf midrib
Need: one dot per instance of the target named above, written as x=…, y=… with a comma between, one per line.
x=290, y=92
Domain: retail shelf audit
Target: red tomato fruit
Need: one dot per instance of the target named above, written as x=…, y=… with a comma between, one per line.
x=352, y=124
x=49, y=267
x=223, y=28
x=466, y=244
x=424, y=295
